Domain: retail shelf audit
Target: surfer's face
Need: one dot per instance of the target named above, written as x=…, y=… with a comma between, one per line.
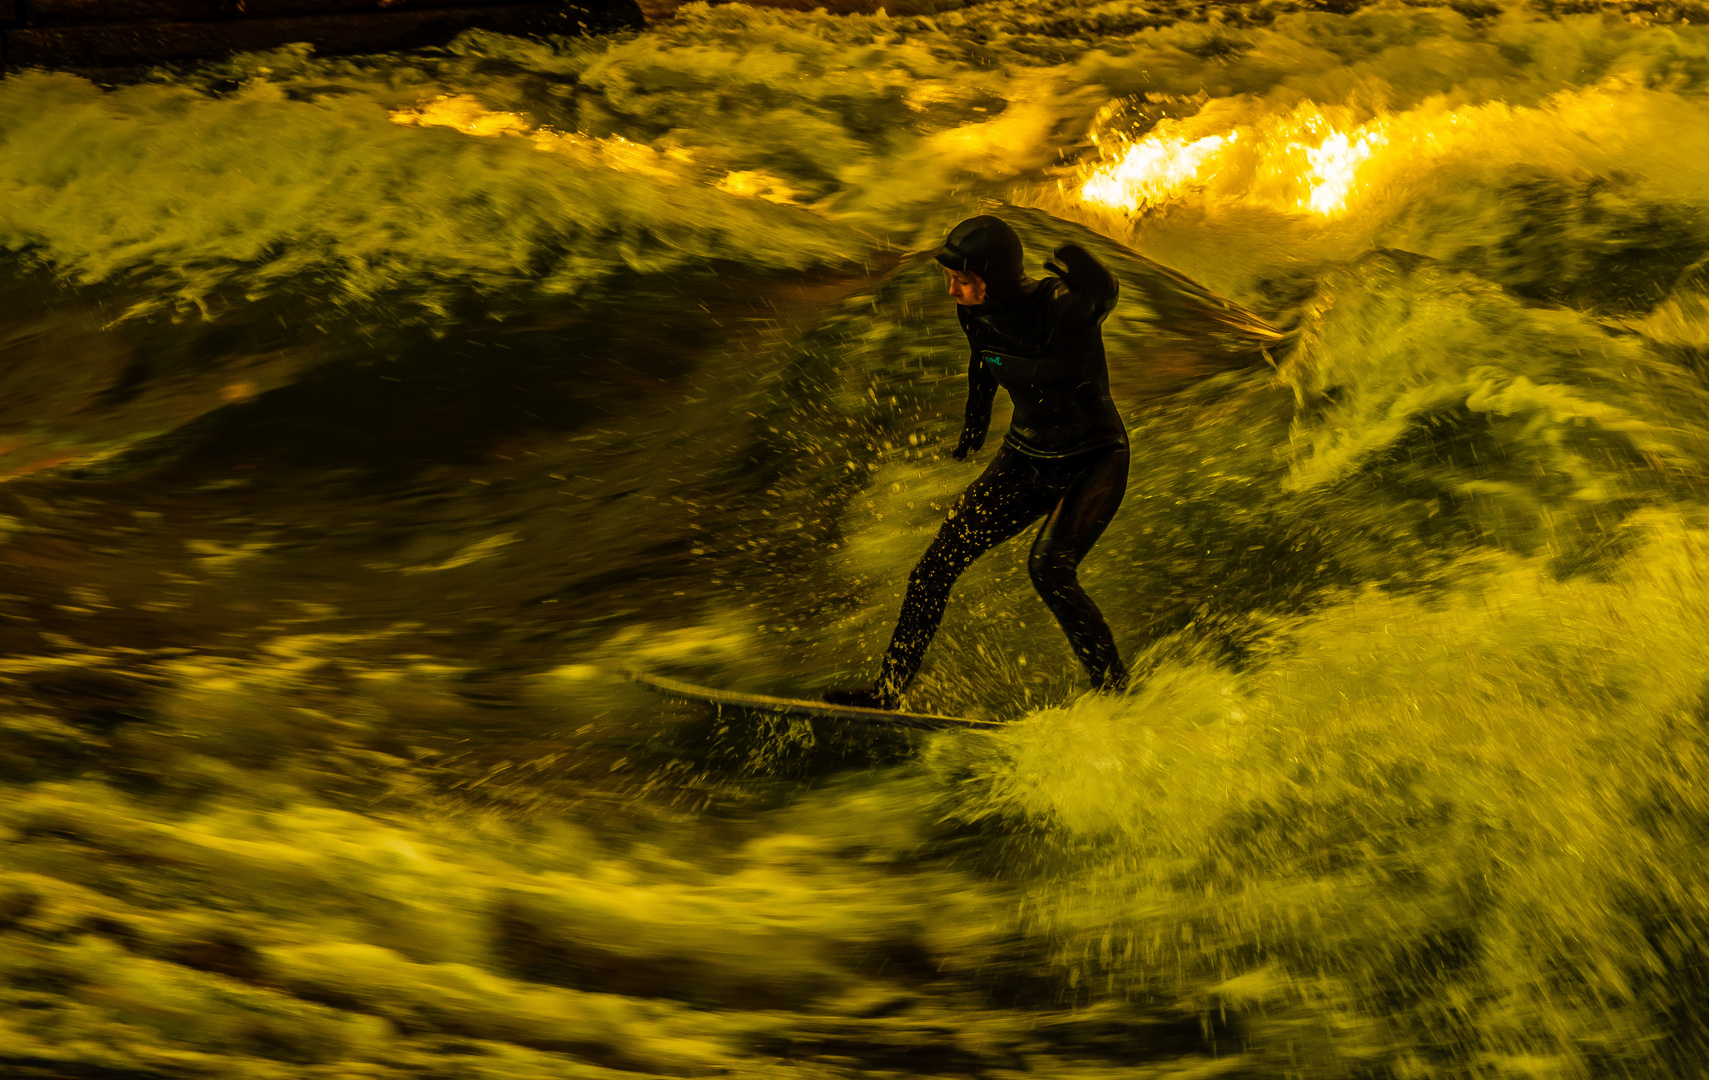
x=968, y=289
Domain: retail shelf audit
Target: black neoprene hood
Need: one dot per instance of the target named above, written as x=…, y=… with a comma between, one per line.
x=986, y=246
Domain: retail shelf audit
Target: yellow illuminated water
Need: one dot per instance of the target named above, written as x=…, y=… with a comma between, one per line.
x=1317, y=160
x=363, y=419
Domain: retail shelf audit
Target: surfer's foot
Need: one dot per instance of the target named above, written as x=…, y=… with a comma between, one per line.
x=1114, y=681
x=865, y=697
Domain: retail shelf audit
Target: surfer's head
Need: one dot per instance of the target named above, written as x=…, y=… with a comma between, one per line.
x=968, y=289
x=985, y=249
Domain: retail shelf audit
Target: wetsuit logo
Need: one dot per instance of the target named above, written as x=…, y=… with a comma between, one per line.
x=990, y=359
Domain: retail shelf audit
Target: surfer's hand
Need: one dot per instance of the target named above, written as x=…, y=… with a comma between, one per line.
x=1092, y=289
x=965, y=446
x=1070, y=262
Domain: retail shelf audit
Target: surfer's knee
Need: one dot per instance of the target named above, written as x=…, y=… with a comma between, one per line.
x=934, y=570
x=1053, y=573
x=949, y=554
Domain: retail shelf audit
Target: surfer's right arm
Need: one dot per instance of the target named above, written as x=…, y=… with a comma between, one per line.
x=1092, y=289
x=981, y=391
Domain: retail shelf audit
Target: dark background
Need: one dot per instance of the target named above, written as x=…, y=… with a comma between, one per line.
x=113, y=34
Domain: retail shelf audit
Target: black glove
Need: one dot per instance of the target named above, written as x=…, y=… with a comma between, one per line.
x=968, y=444
x=1092, y=287
x=1071, y=261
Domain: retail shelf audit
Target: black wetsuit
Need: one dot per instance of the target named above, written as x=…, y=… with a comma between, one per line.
x=1065, y=458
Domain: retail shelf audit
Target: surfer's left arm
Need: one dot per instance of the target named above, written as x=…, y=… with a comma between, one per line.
x=981, y=391
x=1092, y=290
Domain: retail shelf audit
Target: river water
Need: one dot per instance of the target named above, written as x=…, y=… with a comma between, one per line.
x=363, y=419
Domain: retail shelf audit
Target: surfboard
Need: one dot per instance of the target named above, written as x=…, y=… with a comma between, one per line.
x=783, y=706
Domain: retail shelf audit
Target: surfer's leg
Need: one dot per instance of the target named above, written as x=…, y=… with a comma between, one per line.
x=1008, y=496
x=1074, y=525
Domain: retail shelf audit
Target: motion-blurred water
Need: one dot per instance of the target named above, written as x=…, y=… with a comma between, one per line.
x=364, y=418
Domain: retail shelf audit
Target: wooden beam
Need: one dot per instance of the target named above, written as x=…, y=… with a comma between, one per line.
x=73, y=12
x=89, y=12
x=270, y=8
x=148, y=43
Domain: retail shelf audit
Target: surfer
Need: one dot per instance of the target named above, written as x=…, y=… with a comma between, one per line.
x=1065, y=457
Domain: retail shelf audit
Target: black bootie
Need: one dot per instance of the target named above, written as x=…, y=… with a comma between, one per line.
x=865, y=697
